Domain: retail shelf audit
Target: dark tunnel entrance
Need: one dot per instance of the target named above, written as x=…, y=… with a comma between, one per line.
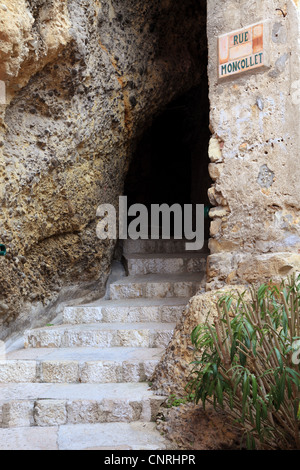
x=170, y=165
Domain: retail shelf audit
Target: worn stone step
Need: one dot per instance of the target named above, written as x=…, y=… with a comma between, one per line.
x=80, y=365
x=159, y=246
x=59, y=404
x=127, y=310
x=157, y=286
x=101, y=335
x=165, y=263
x=137, y=435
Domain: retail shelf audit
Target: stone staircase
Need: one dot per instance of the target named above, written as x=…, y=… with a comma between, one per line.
x=83, y=384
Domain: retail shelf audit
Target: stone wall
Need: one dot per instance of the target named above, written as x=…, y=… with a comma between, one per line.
x=83, y=80
x=254, y=149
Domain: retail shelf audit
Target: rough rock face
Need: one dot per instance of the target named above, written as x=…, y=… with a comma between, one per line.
x=32, y=35
x=173, y=372
x=189, y=427
x=83, y=80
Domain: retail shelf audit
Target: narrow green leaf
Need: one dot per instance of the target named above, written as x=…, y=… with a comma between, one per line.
x=219, y=392
x=279, y=359
x=258, y=418
x=254, y=389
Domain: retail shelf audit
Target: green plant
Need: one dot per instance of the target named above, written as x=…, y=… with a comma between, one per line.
x=245, y=363
x=177, y=401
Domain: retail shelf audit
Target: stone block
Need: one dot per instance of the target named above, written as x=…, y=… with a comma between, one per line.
x=50, y=412
x=77, y=315
x=60, y=371
x=214, y=150
x=118, y=411
x=18, y=371
x=100, y=372
x=132, y=372
x=17, y=413
x=84, y=412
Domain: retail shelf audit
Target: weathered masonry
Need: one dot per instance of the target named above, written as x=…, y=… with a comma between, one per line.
x=254, y=149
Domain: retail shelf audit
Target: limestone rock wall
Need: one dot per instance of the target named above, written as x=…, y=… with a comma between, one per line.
x=254, y=150
x=83, y=80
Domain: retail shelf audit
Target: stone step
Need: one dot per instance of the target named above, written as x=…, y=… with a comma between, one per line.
x=159, y=246
x=101, y=335
x=60, y=404
x=127, y=310
x=137, y=435
x=157, y=286
x=166, y=263
x=80, y=365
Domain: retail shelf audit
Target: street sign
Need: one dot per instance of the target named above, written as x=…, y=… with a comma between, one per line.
x=242, y=50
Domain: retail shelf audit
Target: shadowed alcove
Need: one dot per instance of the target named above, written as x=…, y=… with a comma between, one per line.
x=170, y=164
